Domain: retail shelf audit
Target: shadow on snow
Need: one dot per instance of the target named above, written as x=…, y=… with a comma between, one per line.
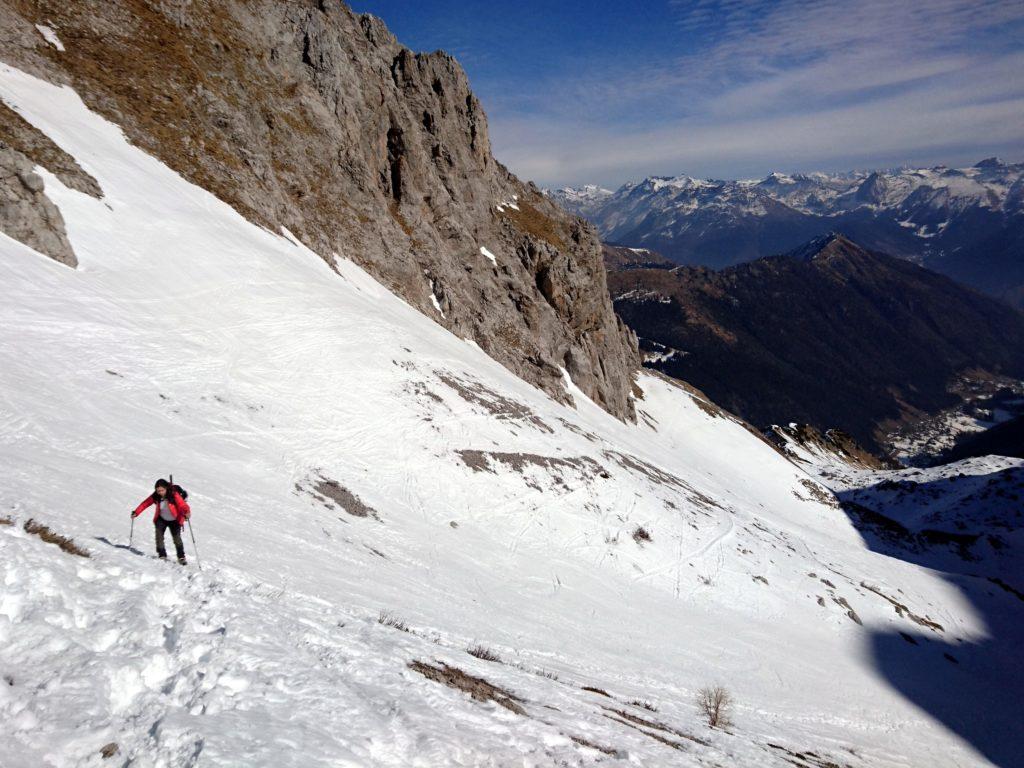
x=974, y=688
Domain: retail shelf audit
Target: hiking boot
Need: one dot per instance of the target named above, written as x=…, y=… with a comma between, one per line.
x=161, y=555
x=181, y=561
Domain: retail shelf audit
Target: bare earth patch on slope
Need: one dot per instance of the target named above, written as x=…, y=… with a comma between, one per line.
x=478, y=688
x=581, y=468
x=333, y=494
x=52, y=537
x=646, y=727
x=501, y=407
x=660, y=477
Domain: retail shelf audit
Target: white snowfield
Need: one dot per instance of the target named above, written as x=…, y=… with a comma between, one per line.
x=346, y=456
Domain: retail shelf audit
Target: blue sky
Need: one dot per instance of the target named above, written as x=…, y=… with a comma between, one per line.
x=606, y=92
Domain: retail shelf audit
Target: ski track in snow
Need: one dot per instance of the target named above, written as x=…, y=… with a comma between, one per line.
x=192, y=341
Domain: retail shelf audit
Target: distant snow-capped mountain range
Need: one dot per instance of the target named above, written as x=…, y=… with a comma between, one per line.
x=965, y=222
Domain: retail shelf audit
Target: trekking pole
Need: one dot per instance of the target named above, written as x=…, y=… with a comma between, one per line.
x=131, y=534
x=194, y=547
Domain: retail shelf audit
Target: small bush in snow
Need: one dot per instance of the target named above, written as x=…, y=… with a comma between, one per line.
x=388, y=619
x=483, y=653
x=715, y=704
x=644, y=704
x=640, y=535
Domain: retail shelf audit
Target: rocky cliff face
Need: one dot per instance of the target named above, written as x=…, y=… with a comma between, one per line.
x=307, y=116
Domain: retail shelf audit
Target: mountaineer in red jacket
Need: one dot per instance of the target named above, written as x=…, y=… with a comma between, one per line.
x=171, y=512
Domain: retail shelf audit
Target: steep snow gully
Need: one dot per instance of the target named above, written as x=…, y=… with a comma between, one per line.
x=373, y=498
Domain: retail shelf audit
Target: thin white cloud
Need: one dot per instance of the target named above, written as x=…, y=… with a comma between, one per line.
x=782, y=84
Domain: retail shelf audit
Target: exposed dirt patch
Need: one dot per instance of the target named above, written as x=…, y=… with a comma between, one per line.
x=903, y=611
x=592, y=745
x=579, y=430
x=501, y=407
x=660, y=477
x=641, y=467
x=819, y=493
x=109, y=750
x=422, y=392
x=52, y=537
x=344, y=498
x=560, y=469
x=807, y=758
x=478, y=688
x=850, y=613
x=657, y=726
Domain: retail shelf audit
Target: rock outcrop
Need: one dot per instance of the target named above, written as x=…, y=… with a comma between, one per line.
x=307, y=116
x=26, y=213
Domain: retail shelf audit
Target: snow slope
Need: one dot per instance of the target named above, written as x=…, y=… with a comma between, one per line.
x=346, y=456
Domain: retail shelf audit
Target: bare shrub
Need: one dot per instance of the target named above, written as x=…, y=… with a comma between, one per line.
x=388, y=619
x=483, y=653
x=716, y=705
x=52, y=537
x=535, y=670
x=598, y=691
x=6, y=521
x=640, y=535
x=644, y=704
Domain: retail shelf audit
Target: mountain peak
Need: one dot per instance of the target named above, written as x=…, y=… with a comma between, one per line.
x=834, y=244
x=990, y=162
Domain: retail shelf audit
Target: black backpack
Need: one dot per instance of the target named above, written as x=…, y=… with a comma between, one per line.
x=174, y=489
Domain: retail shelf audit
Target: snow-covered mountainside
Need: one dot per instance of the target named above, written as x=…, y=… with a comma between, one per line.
x=580, y=199
x=967, y=223
x=373, y=497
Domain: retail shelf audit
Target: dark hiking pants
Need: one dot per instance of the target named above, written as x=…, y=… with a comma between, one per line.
x=161, y=526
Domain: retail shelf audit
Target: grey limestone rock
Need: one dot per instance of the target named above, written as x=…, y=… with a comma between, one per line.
x=26, y=213
x=308, y=116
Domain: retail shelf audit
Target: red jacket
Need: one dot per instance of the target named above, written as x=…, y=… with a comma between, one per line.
x=178, y=506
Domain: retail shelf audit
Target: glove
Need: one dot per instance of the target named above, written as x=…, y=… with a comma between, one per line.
x=132, y=513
